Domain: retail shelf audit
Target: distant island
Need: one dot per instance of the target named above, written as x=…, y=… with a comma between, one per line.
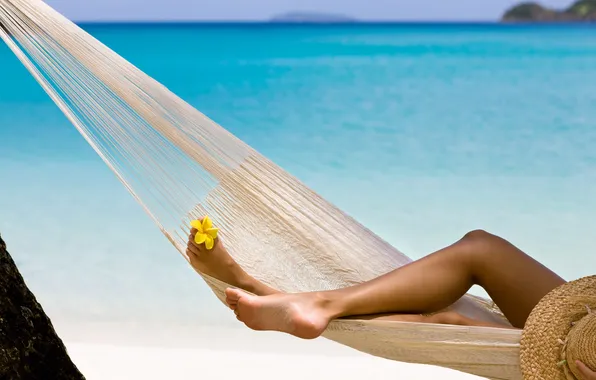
x=580, y=11
x=311, y=17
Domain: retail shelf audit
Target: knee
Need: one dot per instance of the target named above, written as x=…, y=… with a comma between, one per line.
x=478, y=239
x=478, y=243
x=481, y=248
x=478, y=235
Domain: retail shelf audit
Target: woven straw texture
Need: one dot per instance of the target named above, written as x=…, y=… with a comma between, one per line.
x=560, y=330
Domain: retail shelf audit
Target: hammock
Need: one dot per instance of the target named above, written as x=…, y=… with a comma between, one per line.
x=179, y=166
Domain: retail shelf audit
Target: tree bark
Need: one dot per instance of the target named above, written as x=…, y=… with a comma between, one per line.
x=30, y=349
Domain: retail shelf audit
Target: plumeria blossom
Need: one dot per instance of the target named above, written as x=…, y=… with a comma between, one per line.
x=205, y=232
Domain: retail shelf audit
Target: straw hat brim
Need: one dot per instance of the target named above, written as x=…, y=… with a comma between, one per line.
x=560, y=330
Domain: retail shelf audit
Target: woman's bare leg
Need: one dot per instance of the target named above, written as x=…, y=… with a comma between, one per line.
x=514, y=281
x=443, y=317
x=218, y=263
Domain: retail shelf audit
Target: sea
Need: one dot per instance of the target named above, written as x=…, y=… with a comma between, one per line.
x=422, y=132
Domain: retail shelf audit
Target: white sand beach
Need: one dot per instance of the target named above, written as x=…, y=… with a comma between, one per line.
x=238, y=354
x=103, y=362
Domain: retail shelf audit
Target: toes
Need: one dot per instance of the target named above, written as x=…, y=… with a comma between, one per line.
x=232, y=298
x=192, y=244
x=191, y=239
x=234, y=295
x=237, y=313
x=191, y=254
x=232, y=304
x=191, y=248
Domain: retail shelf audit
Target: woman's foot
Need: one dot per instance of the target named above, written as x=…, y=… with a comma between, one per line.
x=216, y=262
x=302, y=315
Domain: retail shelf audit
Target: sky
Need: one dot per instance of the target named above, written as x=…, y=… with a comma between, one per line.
x=254, y=10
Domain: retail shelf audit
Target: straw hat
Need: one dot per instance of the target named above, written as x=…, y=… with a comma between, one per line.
x=560, y=330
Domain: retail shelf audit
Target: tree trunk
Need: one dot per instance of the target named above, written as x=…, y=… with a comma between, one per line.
x=29, y=346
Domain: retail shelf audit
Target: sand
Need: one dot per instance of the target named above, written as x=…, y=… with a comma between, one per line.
x=214, y=354
x=103, y=362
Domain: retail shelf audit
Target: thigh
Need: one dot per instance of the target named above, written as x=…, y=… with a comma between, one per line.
x=515, y=281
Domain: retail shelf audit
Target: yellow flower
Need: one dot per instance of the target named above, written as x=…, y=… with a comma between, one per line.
x=205, y=232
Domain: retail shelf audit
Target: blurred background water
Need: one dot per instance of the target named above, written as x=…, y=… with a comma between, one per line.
x=421, y=132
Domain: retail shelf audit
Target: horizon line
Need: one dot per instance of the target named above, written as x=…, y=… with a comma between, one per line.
x=497, y=22
x=274, y=21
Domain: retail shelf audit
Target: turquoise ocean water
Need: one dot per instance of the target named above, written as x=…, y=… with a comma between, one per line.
x=422, y=132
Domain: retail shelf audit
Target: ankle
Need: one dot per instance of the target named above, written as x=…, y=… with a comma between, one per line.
x=245, y=282
x=331, y=303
